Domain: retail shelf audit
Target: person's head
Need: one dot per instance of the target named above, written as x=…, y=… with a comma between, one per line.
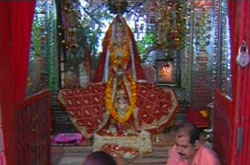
x=187, y=140
x=119, y=28
x=118, y=158
x=99, y=158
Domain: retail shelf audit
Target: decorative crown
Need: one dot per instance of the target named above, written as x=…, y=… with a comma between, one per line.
x=117, y=6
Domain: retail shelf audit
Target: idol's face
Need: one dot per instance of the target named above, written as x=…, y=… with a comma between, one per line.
x=119, y=33
x=185, y=149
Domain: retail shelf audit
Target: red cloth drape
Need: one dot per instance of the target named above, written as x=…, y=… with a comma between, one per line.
x=236, y=20
x=15, y=31
x=16, y=20
x=100, y=69
x=239, y=14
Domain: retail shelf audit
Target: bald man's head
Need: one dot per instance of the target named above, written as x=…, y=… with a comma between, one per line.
x=188, y=129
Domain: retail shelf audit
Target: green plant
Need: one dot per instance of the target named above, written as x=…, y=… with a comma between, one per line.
x=148, y=41
x=37, y=37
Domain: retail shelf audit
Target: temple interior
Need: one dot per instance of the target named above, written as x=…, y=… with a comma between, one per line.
x=119, y=76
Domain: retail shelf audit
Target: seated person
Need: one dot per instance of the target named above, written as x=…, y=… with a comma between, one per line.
x=99, y=158
x=188, y=150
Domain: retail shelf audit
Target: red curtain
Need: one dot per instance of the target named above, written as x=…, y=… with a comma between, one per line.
x=15, y=31
x=239, y=14
x=236, y=34
x=15, y=38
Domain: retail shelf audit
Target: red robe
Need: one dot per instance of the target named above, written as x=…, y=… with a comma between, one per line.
x=86, y=107
x=100, y=69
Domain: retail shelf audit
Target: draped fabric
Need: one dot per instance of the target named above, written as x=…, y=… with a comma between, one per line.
x=86, y=108
x=239, y=14
x=15, y=30
x=16, y=21
x=237, y=34
x=100, y=71
x=119, y=102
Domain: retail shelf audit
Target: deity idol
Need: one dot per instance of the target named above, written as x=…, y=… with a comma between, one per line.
x=119, y=53
x=119, y=101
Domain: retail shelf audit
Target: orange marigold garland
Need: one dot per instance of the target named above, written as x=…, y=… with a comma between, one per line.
x=116, y=62
x=109, y=103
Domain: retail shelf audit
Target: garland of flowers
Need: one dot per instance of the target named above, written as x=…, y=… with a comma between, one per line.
x=109, y=103
x=116, y=62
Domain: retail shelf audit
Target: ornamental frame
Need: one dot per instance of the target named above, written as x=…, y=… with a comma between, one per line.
x=167, y=72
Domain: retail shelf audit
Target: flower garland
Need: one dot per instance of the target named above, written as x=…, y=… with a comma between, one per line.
x=109, y=103
x=117, y=62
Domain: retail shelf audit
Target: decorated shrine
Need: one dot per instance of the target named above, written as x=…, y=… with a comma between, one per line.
x=119, y=98
x=120, y=75
x=130, y=67
x=161, y=48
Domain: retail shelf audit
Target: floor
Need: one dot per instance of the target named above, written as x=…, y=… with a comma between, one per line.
x=75, y=155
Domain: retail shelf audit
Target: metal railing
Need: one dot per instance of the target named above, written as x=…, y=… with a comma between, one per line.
x=223, y=127
x=33, y=130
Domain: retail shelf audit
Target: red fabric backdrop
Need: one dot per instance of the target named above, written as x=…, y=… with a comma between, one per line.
x=15, y=29
x=239, y=14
